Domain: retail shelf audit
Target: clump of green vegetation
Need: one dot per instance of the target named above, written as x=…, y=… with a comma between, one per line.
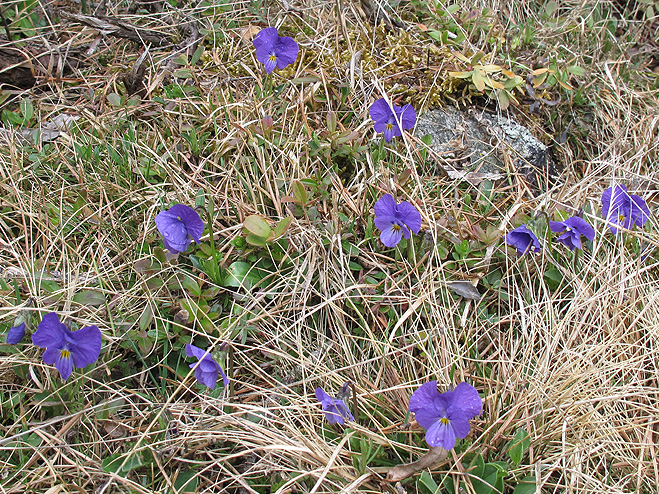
x=289, y=286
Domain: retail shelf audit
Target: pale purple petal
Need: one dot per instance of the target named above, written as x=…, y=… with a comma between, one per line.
x=265, y=40
x=50, y=355
x=323, y=397
x=581, y=226
x=407, y=116
x=571, y=239
x=176, y=248
x=639, y=211
x=390, y=133
x=428, y=405
x=616, y=203
x=459, y=423
x=385, y=206
x=391, y=236
x=440, y=435
x=64, y=364
x=286, y=51
x=270, y=64
x=380, y=112
x=206, y=378
x=382, y=223
x=87, y=346
x=50, y=332
x=207, y=368
x=466, y=398
x=173, y=230
x=409, y=215
x=522, y=238
x=190, y=219
x=16, y=334
x=335, y=410
x=225, y=378
x=195, y=351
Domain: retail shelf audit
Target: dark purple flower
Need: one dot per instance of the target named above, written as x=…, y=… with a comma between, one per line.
x=572, y=229
x=445, y=416
x=623, y=209
x=522, y=239
x=273, y=50
x=207, y=369
x=335, y=410
x=67, y=349
x=16, y=333
x=395, y=220
x=177, y=225
x=389, y=119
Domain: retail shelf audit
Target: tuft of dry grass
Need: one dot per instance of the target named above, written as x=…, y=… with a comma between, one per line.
x=575, y=365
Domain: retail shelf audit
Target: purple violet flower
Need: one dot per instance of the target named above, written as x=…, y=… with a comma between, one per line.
x=523, y=239
x=572, y=229
x=16, y=333
x=445, y=416
x=395, y=220
x=623, y=209
x=273, y=50
x=177, y=225
x=335, y=410
x=207, y=369
x=67, y=349
x=389, y=119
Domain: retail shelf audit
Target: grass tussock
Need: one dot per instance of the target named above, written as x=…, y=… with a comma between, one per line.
x=562, y=346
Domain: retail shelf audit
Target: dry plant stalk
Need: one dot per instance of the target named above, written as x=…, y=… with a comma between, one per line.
x=431, y=459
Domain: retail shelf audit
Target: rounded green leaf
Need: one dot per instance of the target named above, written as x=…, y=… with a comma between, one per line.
x=257, y=225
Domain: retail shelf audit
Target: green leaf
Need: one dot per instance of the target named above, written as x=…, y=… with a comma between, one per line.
x=186, y=482
x=576, y=70
x=282, y=226
x=146, y=318
x=553, y=278
x=114, y=99
x=242, y=274
x=113, y=463
x=464, y=289
x=109, y=408
x=257, y=225
x=191, y=286
x=197, y=54
x=299, y=192
x=478, y=79
x=526, y=486
x=255, y=240
x=502, y=98
x=183, y=73
x=551, y=8
x=428, y=484
x=89, y=297
x=492, y=480
x=27, y=110
x=477, y=466
x=518, y=446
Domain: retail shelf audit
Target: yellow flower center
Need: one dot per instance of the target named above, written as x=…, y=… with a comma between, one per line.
x=64, y=353
x=179, y=218
x=273, y=58
x=389, y=126
x=445, y=421
x=621, y=217
x=396, y=227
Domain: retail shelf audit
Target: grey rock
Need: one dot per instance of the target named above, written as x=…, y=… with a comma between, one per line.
x=475, y=146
